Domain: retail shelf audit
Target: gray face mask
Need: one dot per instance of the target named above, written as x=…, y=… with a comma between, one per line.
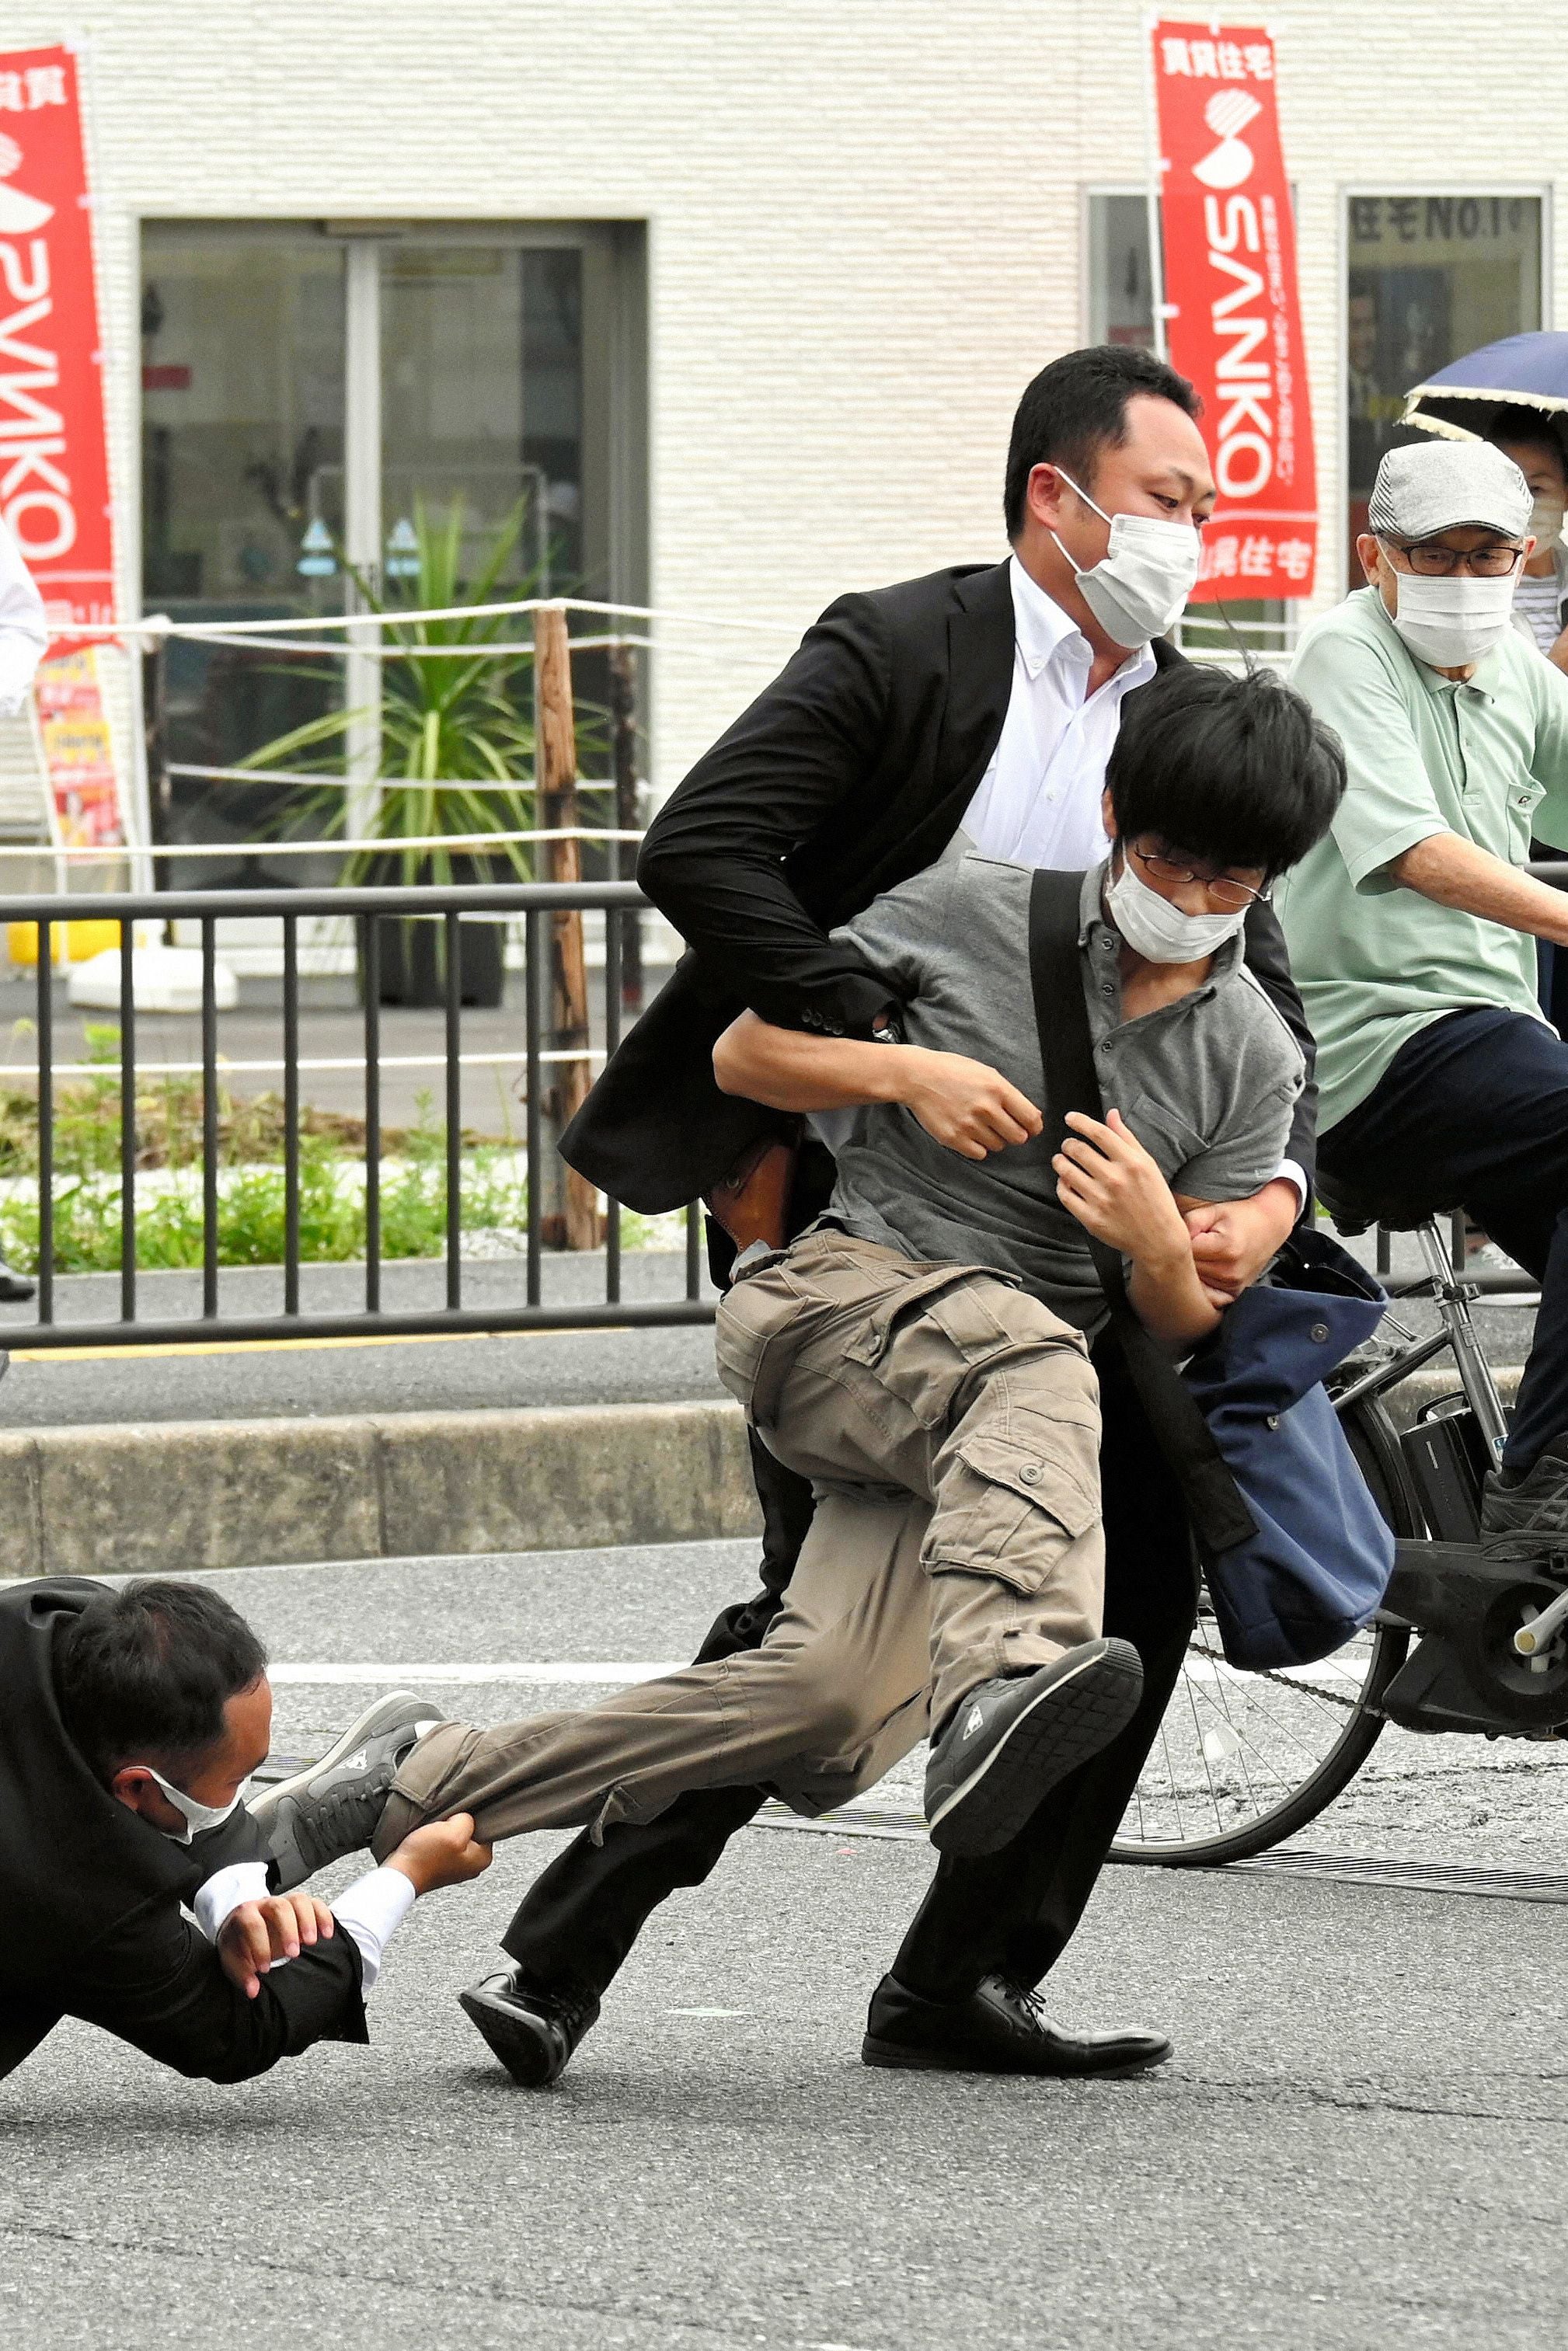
x=197, y=1816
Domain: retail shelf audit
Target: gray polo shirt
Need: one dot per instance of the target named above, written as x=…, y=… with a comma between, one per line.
x=1208, y=1084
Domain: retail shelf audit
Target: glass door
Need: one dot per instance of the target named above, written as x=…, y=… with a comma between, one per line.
x=320, y=405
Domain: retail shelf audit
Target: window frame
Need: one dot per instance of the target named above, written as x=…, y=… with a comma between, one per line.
x=1347, y=191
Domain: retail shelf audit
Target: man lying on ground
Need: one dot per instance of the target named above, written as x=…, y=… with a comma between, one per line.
x=131, y=1722
x=921, y=1353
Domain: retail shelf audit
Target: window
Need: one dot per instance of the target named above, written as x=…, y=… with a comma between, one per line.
x=1121, y=302
x=309, y=395
x=1428, y=277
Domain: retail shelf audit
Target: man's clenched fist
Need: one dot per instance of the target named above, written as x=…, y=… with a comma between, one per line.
x=277, y=1928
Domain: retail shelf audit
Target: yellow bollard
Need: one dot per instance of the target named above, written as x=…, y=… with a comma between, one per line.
x=81, y=940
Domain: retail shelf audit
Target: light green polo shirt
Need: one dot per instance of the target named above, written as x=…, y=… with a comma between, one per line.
x=1376, y=962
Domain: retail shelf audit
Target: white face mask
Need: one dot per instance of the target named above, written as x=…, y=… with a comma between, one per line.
x=1546, y=524
x=1160, y=931
x=1139, y=585
x=197, y=1816
x=1453, y=623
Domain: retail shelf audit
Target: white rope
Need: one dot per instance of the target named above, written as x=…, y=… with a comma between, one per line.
x=216, y=636
x=226, y=1068
x=159, y=626
x=515, y=784
x=390, y=845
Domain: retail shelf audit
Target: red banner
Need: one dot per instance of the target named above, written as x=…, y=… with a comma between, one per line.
x=54, y=461
x=1233, y=315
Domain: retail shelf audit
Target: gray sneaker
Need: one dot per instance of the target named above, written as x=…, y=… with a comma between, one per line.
x=1007, y=1743
x=332, y=1806
x=1526, y=1518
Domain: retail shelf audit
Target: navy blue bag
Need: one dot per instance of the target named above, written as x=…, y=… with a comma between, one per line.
x=1296, y=1555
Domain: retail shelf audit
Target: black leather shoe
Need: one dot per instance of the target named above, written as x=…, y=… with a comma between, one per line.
x=534, y=2034
x=15, y=1288
x=999, y=2029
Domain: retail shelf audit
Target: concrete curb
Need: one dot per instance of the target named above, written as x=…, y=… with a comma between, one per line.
x=142, y=1497
x=139, y=1498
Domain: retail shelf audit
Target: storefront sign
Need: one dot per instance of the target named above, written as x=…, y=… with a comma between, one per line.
x=78, y=750
x=54, y=465
x=1233, y=318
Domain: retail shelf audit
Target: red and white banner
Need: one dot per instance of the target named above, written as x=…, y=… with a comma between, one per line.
x=79, y=749
x=54, y=461
x=1233, y=318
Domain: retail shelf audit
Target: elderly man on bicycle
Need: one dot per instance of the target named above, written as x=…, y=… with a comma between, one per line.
x=1412, y=930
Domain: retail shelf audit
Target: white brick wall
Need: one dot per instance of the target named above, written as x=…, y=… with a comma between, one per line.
x=863, y=217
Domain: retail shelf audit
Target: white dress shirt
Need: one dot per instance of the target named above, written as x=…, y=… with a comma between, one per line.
x=1038, y=800
x=372, y=1909
x=24, y=633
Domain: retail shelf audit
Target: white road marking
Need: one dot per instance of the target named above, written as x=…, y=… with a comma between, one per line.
x=334, y=1675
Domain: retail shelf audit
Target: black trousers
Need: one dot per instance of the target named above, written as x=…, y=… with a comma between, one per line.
x=1473, y=1111
x=1014, y=1912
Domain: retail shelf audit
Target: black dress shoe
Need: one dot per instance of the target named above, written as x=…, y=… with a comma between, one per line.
x=534, y=2034
x=15, y=1288
x=999, y=2029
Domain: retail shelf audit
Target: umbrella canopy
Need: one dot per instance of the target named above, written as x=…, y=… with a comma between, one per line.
x=1527, y=371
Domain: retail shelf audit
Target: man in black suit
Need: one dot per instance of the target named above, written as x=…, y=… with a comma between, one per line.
x=982, y=700
x=130, y=1722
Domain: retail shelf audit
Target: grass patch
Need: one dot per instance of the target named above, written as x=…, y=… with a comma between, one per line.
x=251, y=1204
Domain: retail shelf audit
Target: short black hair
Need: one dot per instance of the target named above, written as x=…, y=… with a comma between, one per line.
x=1078, y=406
x=1530, y=427
x=148, y=1671
x=1235, y=771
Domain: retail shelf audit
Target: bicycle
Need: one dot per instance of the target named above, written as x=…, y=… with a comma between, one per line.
x=1244, y=1760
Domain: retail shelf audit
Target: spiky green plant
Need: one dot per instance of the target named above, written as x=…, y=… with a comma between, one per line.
x=445, y=724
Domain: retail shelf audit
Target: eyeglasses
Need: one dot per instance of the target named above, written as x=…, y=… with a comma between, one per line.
x=1430, y=561
x=1231, y=896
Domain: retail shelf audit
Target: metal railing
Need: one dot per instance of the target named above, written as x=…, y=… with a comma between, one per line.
x=538, y=905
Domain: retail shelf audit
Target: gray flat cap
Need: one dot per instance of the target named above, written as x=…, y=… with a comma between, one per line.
x=1443, y=483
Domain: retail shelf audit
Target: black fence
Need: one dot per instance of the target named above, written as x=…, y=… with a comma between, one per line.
x=546, y=1047
x=538, y=905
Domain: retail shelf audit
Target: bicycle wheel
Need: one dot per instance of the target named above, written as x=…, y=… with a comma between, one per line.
x=1242, y=1761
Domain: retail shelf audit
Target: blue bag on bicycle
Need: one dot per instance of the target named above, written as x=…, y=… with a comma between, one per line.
x=1295, y=1552
x=1317, y=1563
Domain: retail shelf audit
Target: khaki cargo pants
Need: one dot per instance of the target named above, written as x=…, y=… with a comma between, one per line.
x=951, y=1427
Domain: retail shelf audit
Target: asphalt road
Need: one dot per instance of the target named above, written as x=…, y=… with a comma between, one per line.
x=209, y=1378
x=1359, y=2142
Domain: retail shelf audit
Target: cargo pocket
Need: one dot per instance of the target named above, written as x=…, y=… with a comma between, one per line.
x=755, y=1334
x=1003, y=1511
x=959, y=1327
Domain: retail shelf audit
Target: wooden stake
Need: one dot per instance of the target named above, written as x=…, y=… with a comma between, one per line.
x=571, y=1217
x=624, y=714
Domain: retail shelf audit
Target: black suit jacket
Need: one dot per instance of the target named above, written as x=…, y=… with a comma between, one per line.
x=851, y=772
x=90, y=1895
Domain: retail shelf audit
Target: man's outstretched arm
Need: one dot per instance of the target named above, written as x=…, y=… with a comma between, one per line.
x=962, y=1104
x=712, y=859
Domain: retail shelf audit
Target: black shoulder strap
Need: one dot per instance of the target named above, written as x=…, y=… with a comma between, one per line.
x=1219, y=1515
